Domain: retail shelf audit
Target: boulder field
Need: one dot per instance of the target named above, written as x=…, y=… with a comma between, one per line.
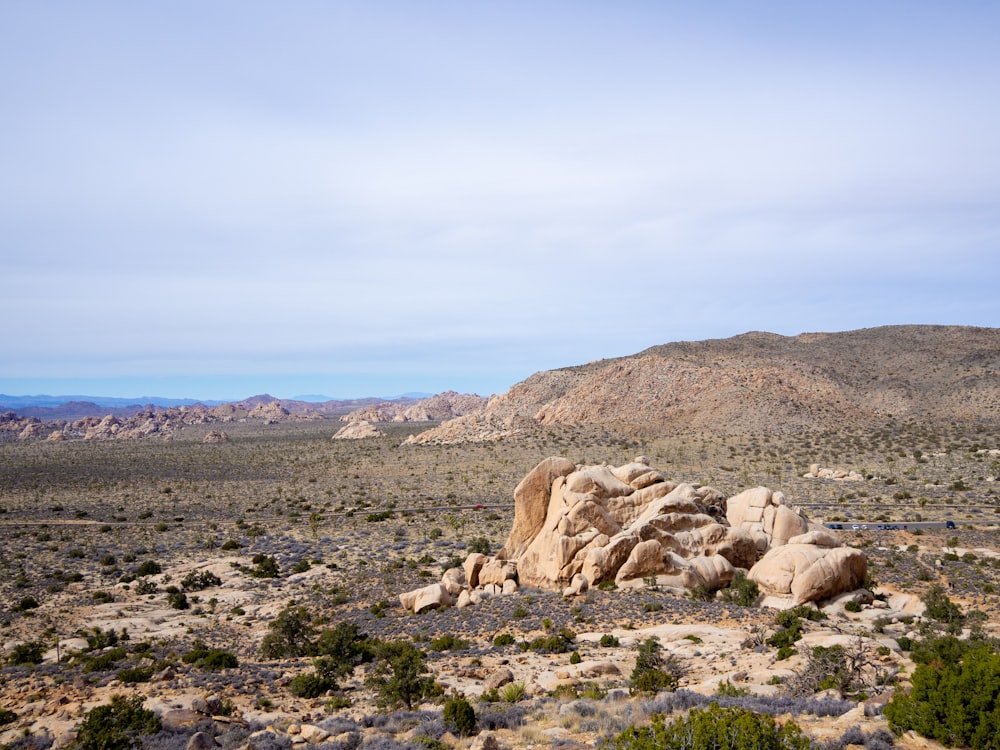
x=577, y=526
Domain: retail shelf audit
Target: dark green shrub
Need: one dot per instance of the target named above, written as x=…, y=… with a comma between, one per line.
x=301, y=566
x=852, y=606
x=7, y=717
x=178, y=600
x=132, y=675
x=574, y=658
x=480, y=544
x=939, y=607
x=291, y=634
x=197, y=580
x=102, y=596
x=449, y=643
x=265, y=566
x=398, y=675
x=957, y=704
x=713, y=728
x=26, y=603
x=149, y=568
x=210, y=658
x=609, y=641
x=118, y=725
x=231, y=544
x=346, y=647
x=29, y=652
x=741, y=591
x=653, y=672
x=504, y=639
x=459, y=716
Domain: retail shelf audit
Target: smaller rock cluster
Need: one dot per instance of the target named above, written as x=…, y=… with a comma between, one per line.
x=818, y=472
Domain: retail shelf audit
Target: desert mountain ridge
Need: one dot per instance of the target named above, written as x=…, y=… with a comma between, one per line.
x=758, y=383
x=76, y=420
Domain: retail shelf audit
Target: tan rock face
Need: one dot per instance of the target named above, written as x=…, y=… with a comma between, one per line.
x=578, y=526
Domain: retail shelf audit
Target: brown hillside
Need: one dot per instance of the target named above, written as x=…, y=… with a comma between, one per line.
x=760, y=383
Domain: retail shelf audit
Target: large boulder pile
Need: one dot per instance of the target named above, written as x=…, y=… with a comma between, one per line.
x=578, y=526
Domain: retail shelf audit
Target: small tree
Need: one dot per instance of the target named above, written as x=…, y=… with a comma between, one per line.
x=399, y=675
x=653, y=672
x=459, y=716
x=291, y=634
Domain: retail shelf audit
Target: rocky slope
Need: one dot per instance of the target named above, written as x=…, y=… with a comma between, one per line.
x=447, y=405
x=759, y=383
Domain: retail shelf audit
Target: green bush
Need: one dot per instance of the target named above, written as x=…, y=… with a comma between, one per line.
x=7, y=716
x=290, y=634
x=504, y=639
x=118, y=725
x=852, y=606
x=132, y=675
x=741, y=591
x=459, y=716
x=178, y=600
x=653, y=672
x=265, y=566
x=26, y=603
x=713, y=728
x=210, y=658
x=29, y=652
x=957, y=704
x=449, y=643
x=609, y=641
x=398, y=675
x=197, y=580
x=149, y=568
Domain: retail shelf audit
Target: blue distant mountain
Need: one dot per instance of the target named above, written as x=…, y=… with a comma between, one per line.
x=22, y=402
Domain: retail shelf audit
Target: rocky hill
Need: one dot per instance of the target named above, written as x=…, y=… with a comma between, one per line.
x=447, y=405
x=759, y=383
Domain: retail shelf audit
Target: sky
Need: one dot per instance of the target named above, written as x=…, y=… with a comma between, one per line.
x=218, y=199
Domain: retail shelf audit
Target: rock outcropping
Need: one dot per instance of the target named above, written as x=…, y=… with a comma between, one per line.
x=578, y=526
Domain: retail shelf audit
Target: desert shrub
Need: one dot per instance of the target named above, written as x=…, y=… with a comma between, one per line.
x=311, y=684
x=729, y=690
x=500, y=716
x=102, y=596
x=105, y=660
x=231, y=544
x=957, y=704
x=852, y=606
x=459, y=716
x=131, y=675
x=197, y=580
x=939, y=607
x=701, y=593
x=558, y=643
x=264, y=566
x=399, y=675
x=346, y=646
x=653, y=671
x=714, y=728
x=7, y=716
x=26, y=603
x=149, y=568
x=98, y=638
x=289, y=634
x=504, y=639
x=449, y=642
x=177, y=599
x=574, y=658
x=741, y=591
x=146, y=586
x=512, y=692
x=209, y=658
x=479, y=544
x=609, y=641
x=29, y=652
x=301, y=566
x=118, y=725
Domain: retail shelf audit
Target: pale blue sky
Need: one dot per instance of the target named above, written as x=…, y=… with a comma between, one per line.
x=215, y=199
